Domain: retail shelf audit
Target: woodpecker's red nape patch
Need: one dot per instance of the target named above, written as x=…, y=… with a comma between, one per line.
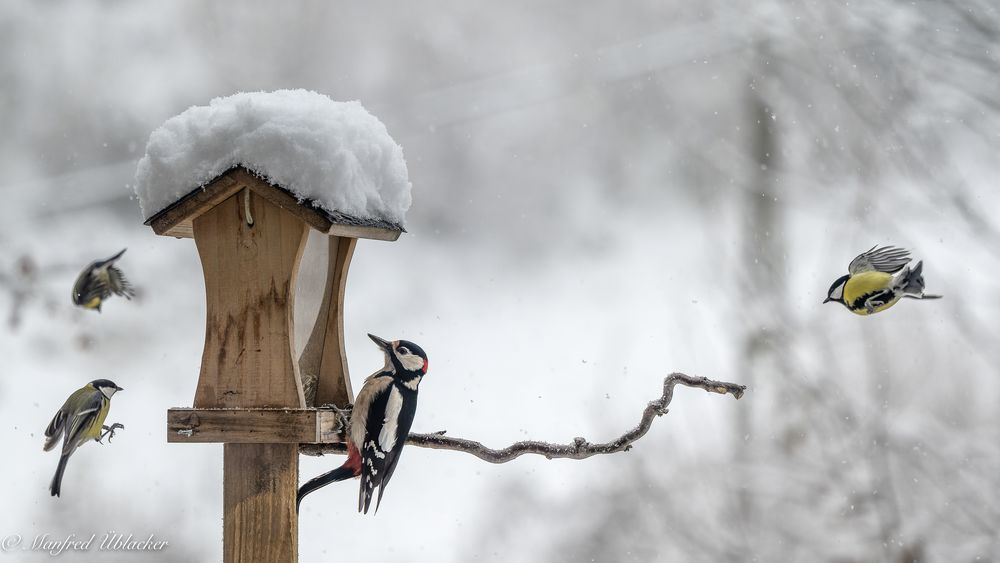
x=353, y=459
x=426, y=363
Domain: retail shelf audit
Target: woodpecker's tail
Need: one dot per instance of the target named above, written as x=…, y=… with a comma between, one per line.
x=56, y=486
x=911, y=283
x=351, y=468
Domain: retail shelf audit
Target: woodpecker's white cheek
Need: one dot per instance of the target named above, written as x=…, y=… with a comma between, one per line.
x=387, y=437
x=411, y=362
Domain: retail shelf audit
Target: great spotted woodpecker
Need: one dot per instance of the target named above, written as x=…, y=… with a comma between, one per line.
x=380, y=423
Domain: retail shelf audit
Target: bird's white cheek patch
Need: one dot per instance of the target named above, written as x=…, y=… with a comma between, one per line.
x=387, y=437
x=412, y=362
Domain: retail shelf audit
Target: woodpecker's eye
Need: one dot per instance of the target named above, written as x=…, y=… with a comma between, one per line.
x=402, y=350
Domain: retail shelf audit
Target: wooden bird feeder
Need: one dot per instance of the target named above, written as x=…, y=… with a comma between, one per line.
x=250, y=237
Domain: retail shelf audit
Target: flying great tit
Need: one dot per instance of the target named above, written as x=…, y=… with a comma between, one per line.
x=873, y=284
x=81, y=418
x=98, y=281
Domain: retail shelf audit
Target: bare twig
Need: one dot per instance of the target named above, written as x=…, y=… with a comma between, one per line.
x=579, y=449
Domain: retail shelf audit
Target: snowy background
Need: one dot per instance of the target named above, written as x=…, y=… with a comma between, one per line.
x=602, y=194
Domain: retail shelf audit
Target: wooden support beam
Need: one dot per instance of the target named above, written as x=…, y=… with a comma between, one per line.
x=334, y=384
x=254, y=426
x=260, y=524
x=323, y=360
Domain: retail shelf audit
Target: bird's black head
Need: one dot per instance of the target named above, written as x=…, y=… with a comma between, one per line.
x=836, y=291
x=105, y=386
x=403, y=355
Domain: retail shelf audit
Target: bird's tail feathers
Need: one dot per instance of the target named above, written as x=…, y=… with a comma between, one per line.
x=56, y=486
x=366, y=493
x=350, y=468
x=911, y=281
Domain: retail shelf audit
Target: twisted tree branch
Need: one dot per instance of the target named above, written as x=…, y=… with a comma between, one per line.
x=579, y=449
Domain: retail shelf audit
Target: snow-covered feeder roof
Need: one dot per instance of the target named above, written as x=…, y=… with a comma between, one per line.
x=331, y=163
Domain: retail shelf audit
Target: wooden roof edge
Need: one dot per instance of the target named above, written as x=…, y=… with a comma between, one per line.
x=176, y=219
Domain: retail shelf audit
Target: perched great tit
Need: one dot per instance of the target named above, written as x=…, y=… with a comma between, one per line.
x=873, y=284
x=98, y=281
x=81, y=418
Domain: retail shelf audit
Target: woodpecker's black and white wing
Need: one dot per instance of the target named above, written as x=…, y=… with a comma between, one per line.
x=390, y=417
x=886, y=259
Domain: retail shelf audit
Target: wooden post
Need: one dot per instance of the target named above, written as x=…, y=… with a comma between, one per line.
x=250, y=251
x=259, y=520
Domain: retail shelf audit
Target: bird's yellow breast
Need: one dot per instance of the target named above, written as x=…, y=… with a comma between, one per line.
x=864, y=284
x=96, y=429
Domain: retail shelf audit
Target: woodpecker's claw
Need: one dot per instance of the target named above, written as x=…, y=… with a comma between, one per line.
x=109, y=431
x=343, y=414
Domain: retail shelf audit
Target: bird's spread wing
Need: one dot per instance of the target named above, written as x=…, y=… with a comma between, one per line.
x=82, y=424
x=388, y=422
x=118, y=284
x=886, y=259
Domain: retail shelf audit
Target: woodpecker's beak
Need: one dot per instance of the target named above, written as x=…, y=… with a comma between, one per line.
x=827, y=300
x=383, y=344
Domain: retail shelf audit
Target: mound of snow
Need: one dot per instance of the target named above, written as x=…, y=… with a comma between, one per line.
x=333, y=154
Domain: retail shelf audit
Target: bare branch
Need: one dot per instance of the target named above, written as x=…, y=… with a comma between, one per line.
x=579, y=449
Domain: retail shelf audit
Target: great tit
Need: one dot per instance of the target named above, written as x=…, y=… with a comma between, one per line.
x=98, y=281
x=81, y=418
x=873, y=284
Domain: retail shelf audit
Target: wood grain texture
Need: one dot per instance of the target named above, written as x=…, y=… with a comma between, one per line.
x=176, y=220
x=281, y=198
x=254, y=426
x=334, y=384
x=260, y=524
x=249, y=273
x=358, y=231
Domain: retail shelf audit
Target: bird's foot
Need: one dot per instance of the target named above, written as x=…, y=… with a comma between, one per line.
x=109, y=431
x=343, y=414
